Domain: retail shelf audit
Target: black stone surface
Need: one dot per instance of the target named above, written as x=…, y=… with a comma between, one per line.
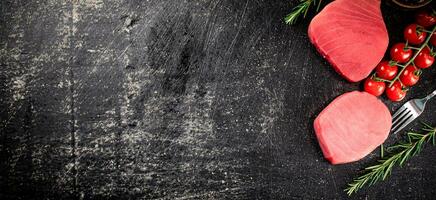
x=159, y=99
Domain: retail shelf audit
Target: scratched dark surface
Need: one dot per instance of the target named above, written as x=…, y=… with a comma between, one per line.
x=201, y=99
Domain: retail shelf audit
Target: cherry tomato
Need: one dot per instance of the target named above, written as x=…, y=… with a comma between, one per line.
x=374, y=87
x=425, y=19
x=413, y=35
x=386, y=71
x=433, y=39
x=424, y=59
x=400, y=54
x=396, y=92
x=410, y=75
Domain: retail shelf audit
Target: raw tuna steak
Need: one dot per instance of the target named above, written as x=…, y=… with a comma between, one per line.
x=352, y=126
x=351, y=35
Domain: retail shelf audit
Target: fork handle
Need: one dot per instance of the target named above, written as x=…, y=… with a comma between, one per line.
x=431, y=95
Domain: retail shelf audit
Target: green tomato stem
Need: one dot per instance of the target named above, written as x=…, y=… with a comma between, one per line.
x=414, y=48
x=399, y=65
x=427, y=31
x=381, y=79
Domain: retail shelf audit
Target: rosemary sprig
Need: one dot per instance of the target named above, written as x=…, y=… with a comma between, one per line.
x=301, y=9
x=404, y=151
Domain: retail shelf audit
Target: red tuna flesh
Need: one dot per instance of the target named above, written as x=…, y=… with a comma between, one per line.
x=352, y=126
x=351, y=35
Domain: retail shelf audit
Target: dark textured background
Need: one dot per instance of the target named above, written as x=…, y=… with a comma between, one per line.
x=198, y=99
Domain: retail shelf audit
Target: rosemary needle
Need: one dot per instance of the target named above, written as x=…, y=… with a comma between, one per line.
x=403, y=152
x=301, y=9
x=382, y=151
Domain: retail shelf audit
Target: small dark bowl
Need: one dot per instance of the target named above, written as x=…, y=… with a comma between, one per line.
x=411, y=4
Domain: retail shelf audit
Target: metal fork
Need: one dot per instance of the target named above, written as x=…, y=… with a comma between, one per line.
x=409, y=112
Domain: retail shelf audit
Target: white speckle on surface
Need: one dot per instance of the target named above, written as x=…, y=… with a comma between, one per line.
x=18, y=88
x=273, y=108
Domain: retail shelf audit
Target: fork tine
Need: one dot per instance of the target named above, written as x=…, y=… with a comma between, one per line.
x=401, y=120
x=411, y=118
x=399, y=111
x=400, y=117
